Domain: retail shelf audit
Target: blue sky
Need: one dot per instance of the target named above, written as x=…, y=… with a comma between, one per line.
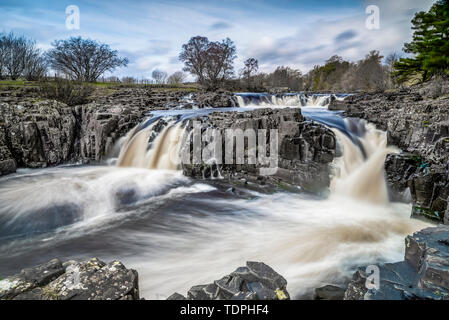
x=297, y=33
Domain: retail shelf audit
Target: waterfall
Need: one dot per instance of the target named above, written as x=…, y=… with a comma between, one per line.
x=163, y=152
x=359, y=172
x=285, y=100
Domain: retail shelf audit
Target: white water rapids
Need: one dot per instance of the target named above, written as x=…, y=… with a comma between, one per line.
x=178, y=232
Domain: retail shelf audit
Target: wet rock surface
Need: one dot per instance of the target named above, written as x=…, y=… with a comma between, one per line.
x=329, y=292
x=424, y=273
x=86, y=280
x=215, y=99
x=256, y=281
x=305, y=149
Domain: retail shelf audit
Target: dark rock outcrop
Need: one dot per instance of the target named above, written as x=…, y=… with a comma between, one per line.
x=36, y=133
x=329, y=292
x=72, y=280
x=417, y=126
x=305, y=148
x=424, y=273
x=256, y=281
x=215, y=99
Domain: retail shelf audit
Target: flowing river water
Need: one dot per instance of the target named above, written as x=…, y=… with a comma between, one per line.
x=178, y=232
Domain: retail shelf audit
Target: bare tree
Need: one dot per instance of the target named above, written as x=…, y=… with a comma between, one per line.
x=2, y=56
x=251, y=67
x=129, y=80
x=193, y=55
x=390, y=61
x=112, y=79
x=20, y=57
x=159, y=76
x=176, y=78
x=14, y=58
x=286, y=77
x=35, y=66
x=83, y=59
x=210, y=62
x=370, y=73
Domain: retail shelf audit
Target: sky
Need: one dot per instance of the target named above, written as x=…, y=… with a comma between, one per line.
x=294, y=33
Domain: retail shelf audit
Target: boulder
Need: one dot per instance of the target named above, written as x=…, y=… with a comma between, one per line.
x=215, y=99
x=72, y=280
x=329, y=292
x=256, y=281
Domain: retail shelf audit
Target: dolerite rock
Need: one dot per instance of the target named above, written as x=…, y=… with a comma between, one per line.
x=329, y=292
x=415, y=125
x=72, y=280
x=424, y=273
x=256, y=281
x=37, y=133
x=399, y=168
x=337, y=105
x=215, y=99
x=7, y=161
x=429, y=191
x=305, y=149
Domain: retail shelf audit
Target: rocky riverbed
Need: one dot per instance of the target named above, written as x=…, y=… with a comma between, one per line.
x=39, y=133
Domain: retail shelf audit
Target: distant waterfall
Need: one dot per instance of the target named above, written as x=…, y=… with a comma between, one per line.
x=286, y=100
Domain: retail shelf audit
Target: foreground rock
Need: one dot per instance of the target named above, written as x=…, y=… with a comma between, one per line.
x=305, y=149
x=329, y=292
x=424, y=273
x=256, y=281
x=72, y=280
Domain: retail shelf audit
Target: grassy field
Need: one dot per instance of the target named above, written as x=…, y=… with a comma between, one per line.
x=103, y=85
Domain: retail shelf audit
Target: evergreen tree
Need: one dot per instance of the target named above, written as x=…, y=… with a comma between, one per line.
x=430, y=45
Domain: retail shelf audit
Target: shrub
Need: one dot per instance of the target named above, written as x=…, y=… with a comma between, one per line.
x=66, y=91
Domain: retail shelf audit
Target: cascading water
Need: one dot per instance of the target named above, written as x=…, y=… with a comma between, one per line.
x=163, y=154
x=178, y=232
x=286, y=100
x=360, y=170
